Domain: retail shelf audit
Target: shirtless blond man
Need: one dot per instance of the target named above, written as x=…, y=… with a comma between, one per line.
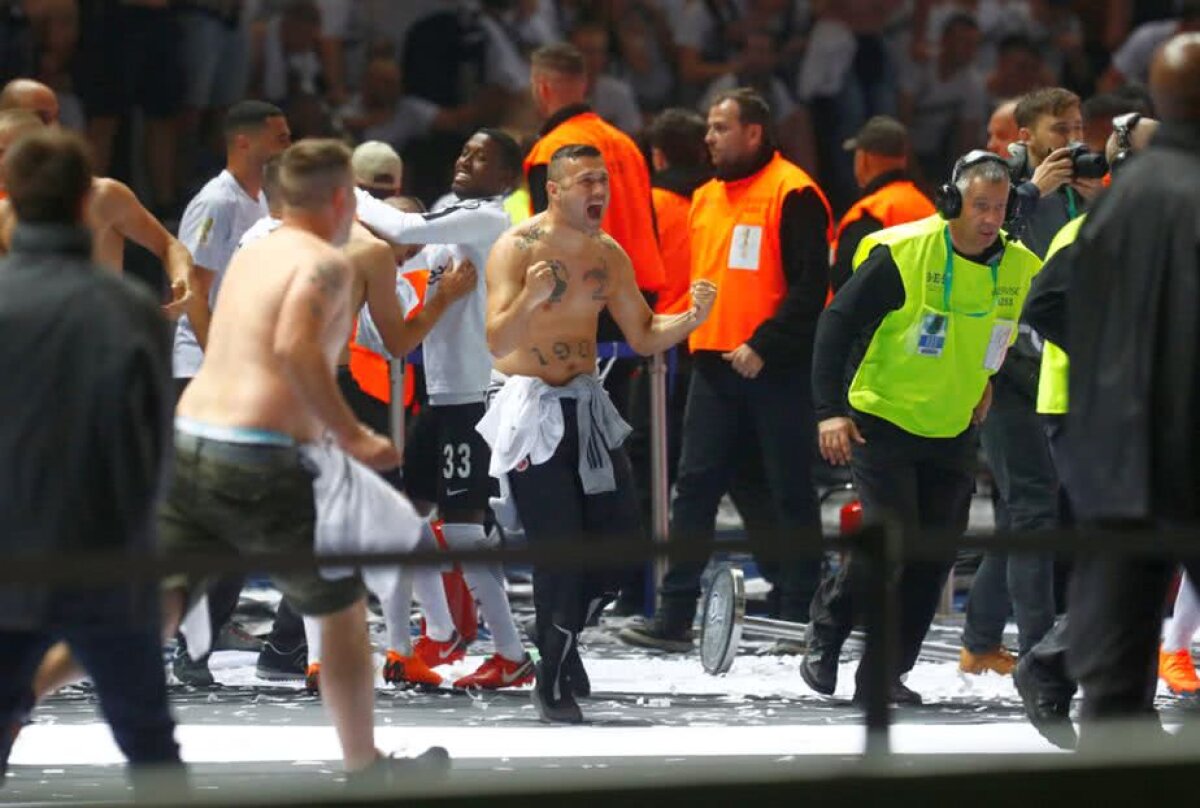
x=269, y=457
x=114, y=212
x=551, y=427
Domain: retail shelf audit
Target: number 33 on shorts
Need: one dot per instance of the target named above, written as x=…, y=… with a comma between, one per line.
x=457, y=461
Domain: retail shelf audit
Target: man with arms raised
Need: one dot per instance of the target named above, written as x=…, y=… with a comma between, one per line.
x=552, y=429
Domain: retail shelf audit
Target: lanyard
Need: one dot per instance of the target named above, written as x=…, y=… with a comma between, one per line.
x=1072, y=207
x=948, y=278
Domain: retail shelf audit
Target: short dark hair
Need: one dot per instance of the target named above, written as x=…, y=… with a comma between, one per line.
x=311, y=170
x=1106, y=106
x=1017, y=42
x=559, y=57
x=752, y=109
x=679, y=134
x=47, y=175
x=958, y=19
x=249, y=116
x=1046, y=101
x=573, y=151
x=511, y=157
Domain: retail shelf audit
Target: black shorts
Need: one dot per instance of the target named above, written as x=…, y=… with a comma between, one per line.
x=446, y=460
x=371, y=411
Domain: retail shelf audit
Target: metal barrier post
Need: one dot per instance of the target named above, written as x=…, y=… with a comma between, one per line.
x=659, y=485
x=396, y=404
x=882, y=546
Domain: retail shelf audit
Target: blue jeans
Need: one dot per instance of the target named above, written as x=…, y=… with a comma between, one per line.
x=1014, y=440
x=126, y=668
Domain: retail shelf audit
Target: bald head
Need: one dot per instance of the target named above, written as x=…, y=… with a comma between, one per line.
x=1175, y=79
x=32, y=96
x=1139, y=138
x=1002, y=128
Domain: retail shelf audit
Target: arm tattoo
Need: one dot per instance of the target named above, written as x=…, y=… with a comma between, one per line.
x=560, y=281
x=599, y=276
x=529, y=236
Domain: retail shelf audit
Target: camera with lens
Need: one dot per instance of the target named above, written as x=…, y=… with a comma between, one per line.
x=1087, y=165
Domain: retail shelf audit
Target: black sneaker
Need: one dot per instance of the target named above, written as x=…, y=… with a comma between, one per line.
x=191, y=672
x=576, y=676
x=564, y=710
x=275, y=665
x=819, y=668
x=899, y=695
x=389, y=771
x=658, y=633
x=1050, y=715
x=8, y=734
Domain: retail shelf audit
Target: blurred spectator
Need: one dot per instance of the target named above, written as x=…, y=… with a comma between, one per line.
x=130, y=57
x=644, y=40
x=997, y=20
x=382, y=111
x=1056, y=31
x=612, y=98
x=286, y=54
x=705, y=42
x=1132, y=61
x=1019, y=69
x=1098, y=113
x=55, y=26
x=504, y=62
x=216, y=60
x=792, y=124
x=16, y=41
x=942, y=101
x=1002, y=129
x=343, y=46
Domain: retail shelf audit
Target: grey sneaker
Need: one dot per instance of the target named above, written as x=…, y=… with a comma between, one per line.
x=655, y=633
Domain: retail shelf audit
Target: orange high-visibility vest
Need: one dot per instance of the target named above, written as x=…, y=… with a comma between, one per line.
x=896, y=203
x=370, y=369
x=628, y=218
x=735, y=244
x=671, y=217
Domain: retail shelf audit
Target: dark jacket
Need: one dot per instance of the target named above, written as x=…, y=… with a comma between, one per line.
x=1133, y=336
x=86, y=362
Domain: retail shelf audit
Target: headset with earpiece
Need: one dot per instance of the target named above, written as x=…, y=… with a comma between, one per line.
x=948, y=199
x=1123, y=126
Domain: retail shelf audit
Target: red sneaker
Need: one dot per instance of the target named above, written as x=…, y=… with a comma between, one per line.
x=436, y=652
x=408, y=670
x=497, y=672
x=312, y=678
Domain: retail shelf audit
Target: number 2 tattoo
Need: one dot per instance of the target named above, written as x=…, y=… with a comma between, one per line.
x=599, y=276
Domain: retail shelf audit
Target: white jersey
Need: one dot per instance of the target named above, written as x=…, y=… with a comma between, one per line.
x=212, y=227
x=458, y=363
x=259, y=230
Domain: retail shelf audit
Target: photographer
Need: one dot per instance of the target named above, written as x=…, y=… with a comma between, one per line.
x=1063, y=178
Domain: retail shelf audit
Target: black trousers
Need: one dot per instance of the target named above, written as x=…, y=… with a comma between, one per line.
x=1117, y=608
x=922, y=482
x=125, y=666
x=726, y=417
x=554, y=509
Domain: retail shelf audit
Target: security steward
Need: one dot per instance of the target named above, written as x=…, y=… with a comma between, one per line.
x=890, y=197
x=760, y=230
x=936, y=303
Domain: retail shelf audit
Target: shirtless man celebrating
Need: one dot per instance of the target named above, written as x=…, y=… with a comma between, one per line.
x=114, y=212
x=551, y=428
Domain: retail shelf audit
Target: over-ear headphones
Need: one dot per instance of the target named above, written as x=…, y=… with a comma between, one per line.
x=1123, y=126
x=948, y=199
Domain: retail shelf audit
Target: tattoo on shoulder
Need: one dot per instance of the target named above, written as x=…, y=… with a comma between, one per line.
x=607, y=240
x=327, y=276
x=529, y=236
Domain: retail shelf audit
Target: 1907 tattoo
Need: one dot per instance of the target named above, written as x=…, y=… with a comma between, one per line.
x=564, y=351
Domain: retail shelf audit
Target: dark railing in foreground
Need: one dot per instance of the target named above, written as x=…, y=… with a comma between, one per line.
x=886, y=546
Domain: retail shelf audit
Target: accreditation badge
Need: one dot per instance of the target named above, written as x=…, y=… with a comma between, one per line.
x=745, y=246
x=1002, y=336
x=931, y=335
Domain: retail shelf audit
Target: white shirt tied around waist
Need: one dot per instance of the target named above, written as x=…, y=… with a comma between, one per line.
x=525, y=420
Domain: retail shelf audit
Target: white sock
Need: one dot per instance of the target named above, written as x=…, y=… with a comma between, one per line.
x=1185, y=619
x=431, y=594
x=397, y=614
x=312, y=634
x=486, y=582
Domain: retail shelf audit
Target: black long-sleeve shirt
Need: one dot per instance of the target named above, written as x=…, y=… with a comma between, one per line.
x=1046, y=303
x=849, y=323
x=854, y=232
